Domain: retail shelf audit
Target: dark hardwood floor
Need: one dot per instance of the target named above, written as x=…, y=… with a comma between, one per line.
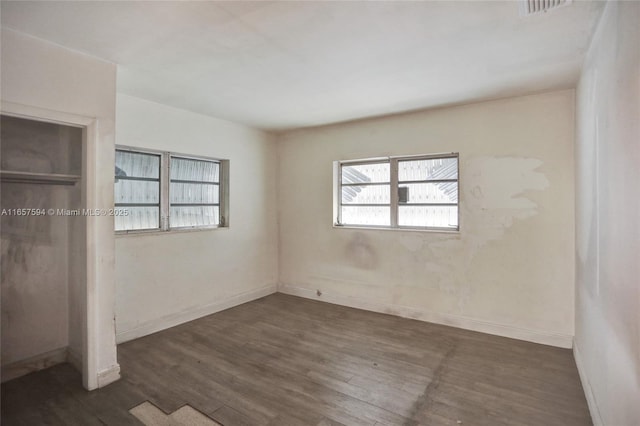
x=283, y=360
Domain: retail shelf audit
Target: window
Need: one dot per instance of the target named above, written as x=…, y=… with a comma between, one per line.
x=398, y=192
x=157, y=191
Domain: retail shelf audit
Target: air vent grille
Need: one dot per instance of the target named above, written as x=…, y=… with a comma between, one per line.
x=534, y=7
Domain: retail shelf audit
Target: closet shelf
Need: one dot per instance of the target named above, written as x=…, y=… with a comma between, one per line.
x=38, y=178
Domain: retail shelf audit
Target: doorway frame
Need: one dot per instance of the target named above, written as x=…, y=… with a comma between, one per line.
x=92, y=378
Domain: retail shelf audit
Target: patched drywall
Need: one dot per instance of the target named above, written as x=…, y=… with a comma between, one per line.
x=163, y=278
x=608, y=208
x=508, y=271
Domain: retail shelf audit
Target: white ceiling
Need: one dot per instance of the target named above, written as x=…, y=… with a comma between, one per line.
x=279, y=65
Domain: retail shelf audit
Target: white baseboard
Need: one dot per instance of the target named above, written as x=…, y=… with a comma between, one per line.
x=535, y=336
x=586, y=386
x=74, y=359
x=51, y=358
x=35, y=363
x=109, y=375
x=174, y=319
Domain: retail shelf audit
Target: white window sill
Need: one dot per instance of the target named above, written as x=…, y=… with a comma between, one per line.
x=400, y=229
x=143, y=232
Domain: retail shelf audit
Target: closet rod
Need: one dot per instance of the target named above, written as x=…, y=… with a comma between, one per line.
x=38, y=178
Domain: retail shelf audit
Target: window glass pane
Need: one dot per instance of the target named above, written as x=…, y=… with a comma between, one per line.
x=194, y=170
x=428, y=216
x=365, y=215
x=137, y=164
x=137, y=191
x=137, y=218
x=371, y=194
x=421, y=193
x=436, y=168
x=366, y=173
x=194, y=193
x=191, y=192
x=137, y=181
x=189, y=216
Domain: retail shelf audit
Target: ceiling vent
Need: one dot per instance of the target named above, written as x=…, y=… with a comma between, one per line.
x=535, y=7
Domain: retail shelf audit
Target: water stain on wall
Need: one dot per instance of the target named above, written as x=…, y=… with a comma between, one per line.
x=360, y=252
x=34, y=228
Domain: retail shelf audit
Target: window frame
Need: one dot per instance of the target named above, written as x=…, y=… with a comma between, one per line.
x=165, y=188
x=338, y=217
x=394, y=183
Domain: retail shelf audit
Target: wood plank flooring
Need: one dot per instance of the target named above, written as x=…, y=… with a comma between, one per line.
x=283, y=360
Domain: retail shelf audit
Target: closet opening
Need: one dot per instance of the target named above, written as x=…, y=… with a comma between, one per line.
x=43, y=232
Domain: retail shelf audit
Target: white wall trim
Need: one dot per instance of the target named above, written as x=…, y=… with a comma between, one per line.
x=15, y=109
x=74, y=358
x=108, y=375
x=535, y=336
x=35, y=363
x=178, y=318
x=89, y=185
x=586, y=386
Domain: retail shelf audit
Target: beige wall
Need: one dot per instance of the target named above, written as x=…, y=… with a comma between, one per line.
x=607, y=345
x=510, y=269
x=164, y=279
x=43, y=79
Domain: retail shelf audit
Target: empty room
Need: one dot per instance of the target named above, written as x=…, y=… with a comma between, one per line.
x=323, y=213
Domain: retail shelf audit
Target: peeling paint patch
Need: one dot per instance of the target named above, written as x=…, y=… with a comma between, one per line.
x=500, y=182
x=493, y=201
